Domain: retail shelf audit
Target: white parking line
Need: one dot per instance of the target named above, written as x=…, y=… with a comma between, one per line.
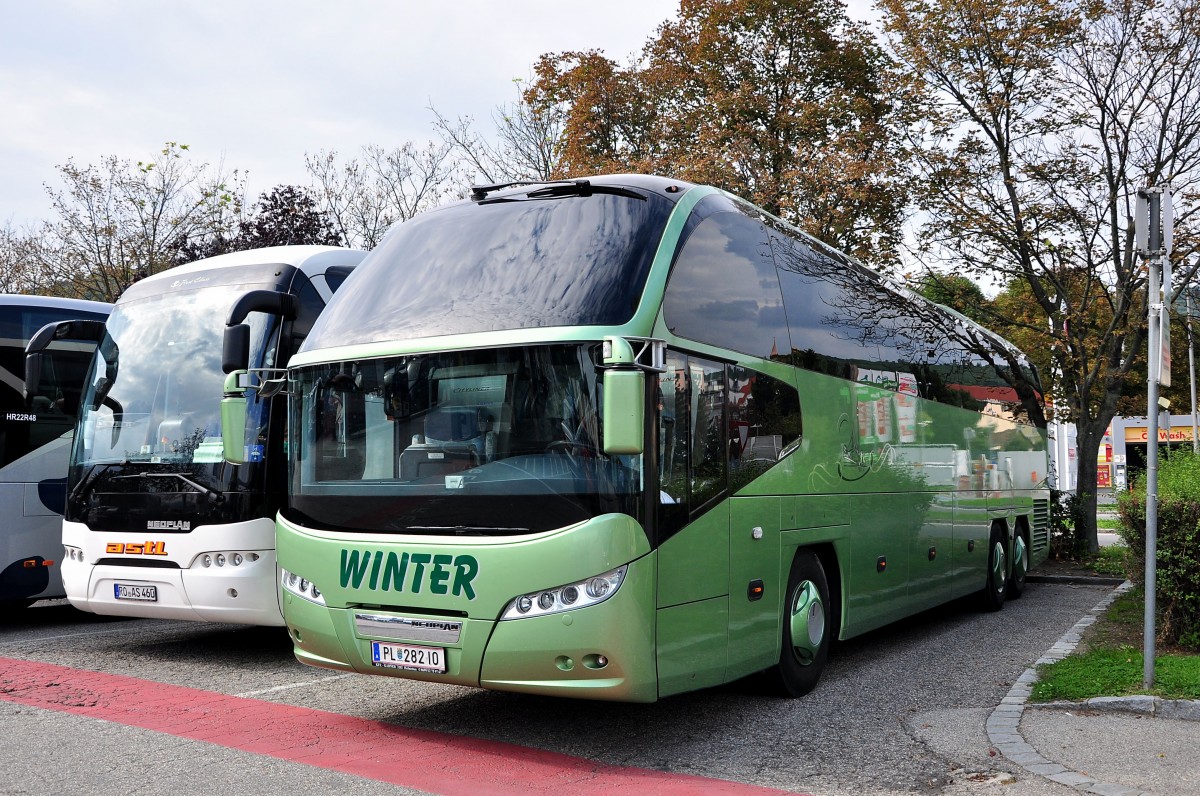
x=262, y=691
x=40, y=639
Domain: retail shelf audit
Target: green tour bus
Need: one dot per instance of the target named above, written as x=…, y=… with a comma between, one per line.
x=625, y=437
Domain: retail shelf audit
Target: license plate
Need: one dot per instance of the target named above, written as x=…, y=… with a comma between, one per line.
x=404, y=656
x=134, y=591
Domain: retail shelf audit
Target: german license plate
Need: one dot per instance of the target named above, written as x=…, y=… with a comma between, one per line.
x=404, y=656
x=135, y=591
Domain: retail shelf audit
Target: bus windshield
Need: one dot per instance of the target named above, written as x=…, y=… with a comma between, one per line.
x=488, y=442
x=150, y=414
x=527, y=262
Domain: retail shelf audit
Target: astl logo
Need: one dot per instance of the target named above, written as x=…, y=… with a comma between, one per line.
x=137, y=548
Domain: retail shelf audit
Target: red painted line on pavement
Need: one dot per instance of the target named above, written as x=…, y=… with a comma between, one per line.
x=423, y=759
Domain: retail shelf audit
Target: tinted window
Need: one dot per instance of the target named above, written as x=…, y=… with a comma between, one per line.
x=832, y=307
x=506, y=263
x=692, y=438
x=724, y=290
x=764, y=423
x=49, y=413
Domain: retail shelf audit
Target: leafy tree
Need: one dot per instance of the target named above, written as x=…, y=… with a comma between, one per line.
x=785, y=102
x=364, y=197
x=1041, y=119
x=954, y=291
x=286, y=215
x=122, y=221
x=18, y=265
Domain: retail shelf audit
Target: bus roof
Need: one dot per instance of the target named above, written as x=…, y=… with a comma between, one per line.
x=308, y=259
x=56, y=302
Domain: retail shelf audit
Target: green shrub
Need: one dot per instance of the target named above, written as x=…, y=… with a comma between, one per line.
x=1065, y=511
x=1178, y=546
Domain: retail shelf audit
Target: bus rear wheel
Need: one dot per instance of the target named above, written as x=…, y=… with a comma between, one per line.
x=1020, y=566
x=996, y=589
x=806, y=628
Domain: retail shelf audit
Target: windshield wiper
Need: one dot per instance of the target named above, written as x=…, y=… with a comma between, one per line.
x=552, y=190
x=211, y=494
x=93, y=474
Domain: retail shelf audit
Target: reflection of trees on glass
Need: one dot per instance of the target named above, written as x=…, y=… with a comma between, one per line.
x=844, y=317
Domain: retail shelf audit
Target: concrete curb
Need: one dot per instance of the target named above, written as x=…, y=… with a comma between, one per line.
x=1004, y=723
x=1076, y=580
x=1156, y=707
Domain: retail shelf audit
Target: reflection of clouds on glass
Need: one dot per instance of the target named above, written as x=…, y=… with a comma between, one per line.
x=508, y=265
x=168, y=381
x=724, y=290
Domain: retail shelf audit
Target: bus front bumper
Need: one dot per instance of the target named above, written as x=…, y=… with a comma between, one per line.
x=604, y=651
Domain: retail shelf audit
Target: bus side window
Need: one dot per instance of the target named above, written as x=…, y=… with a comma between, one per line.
x=692, y=443
x=724, y=288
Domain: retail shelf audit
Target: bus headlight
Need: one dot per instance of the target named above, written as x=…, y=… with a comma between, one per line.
x=301, y=587
x=570, y=597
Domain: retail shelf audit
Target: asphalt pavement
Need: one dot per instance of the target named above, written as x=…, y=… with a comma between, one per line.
x=1111, y=746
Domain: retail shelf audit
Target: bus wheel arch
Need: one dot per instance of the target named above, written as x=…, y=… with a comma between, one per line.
x=1020, y=559
x=995, y=588
x=810, y=621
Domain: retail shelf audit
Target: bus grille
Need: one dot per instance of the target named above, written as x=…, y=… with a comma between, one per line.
x=1041, y=525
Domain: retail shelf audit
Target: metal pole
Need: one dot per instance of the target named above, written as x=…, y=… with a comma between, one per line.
x=1154, y=363
x=1187, y=299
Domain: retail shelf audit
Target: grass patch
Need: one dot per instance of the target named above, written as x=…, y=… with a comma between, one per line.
x=1109, y=662
x=1111, y=560
x=1108, y=525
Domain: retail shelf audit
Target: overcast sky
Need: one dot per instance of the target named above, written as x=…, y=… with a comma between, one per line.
x=255, y=84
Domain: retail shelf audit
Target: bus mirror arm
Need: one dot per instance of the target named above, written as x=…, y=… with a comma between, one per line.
x=118, y=415
x=88, y=331
x=33, y=374
x=235, y=345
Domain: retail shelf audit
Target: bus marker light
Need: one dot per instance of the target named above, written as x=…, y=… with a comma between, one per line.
x=881, y=564
x=755, y=590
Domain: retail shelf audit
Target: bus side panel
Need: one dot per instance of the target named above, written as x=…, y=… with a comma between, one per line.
x=29, y=550
x=933, y=553
x=882, y=528
x=694, y=563
x=691, y=643
x=754, y=589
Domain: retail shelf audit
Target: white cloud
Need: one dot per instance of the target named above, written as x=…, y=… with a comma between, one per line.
x=258, y=84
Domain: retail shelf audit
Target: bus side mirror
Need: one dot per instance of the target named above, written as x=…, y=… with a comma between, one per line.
x=624, y=409
x=233, y=418
x=235, y=348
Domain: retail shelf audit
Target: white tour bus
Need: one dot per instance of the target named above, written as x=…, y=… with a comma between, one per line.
x=35, y=440
x=157, y=523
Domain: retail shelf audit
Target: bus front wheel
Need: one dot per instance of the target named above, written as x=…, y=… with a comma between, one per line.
x=807, y=627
